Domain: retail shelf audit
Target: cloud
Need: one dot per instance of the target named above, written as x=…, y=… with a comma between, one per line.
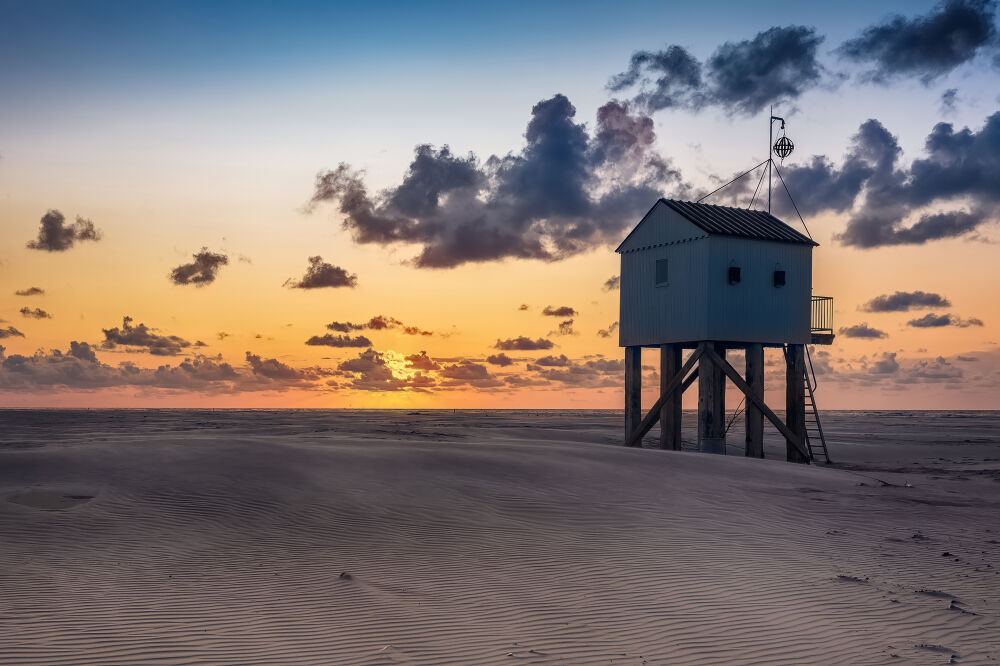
x=421, y=361
x=522, y=343
x=274, y=369
x=613, y=283
x=593, y=373
x=79, y=368
x=931, y=320
x=609, y=331
x=949, y=101
x=200, y=272
x=554, y=361
x=35, y=313
x=565, y=328
x=742, y=78
x=500, y=359
x=30, y=291
x=889, y=203
x=330, y=340
x=565, y=192
x=54, y=235
x=903, y=301
x=468, y=373
x=370, y=371
x=862, y=331
x=562, y=311
x=10, y=332
x=927, y=46
x=523, y=306
x=886, y=365
x=321, y=274
x=377, y=323
x=143, y=338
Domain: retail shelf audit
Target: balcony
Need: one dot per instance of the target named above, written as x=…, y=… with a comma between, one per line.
x=821, y=320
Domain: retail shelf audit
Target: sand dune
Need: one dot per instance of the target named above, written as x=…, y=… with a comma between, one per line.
x=394, y=538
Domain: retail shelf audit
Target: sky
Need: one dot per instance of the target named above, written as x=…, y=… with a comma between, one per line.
x=313, y=204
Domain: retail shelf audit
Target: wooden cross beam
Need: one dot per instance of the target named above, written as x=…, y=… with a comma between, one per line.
x=757, y=402
x=635, y=439
x=690, y=380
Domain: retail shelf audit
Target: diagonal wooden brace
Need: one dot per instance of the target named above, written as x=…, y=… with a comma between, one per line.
x=735, y=378
x=654, y=414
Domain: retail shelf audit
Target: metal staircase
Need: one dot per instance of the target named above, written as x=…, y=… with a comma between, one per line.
x=815, y=440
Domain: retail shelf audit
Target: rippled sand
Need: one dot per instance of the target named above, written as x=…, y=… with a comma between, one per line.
x=490, y=537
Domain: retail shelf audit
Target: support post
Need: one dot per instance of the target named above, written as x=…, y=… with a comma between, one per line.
x=755, y=417
x=670, y=413
x=712, y=403
x=633, y=389
x=795, y=405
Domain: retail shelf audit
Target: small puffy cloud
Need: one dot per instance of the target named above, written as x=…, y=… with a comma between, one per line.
x=200, y=272
x=523, y=306
x=321, y=274
x=30, y=291
x=10, y=332
x=554, y=361
x=35, y=313
x=469, y=373
x=561, y=311
x=931, y=320
x=522, y=343
x=613, y=283
x=421, y=361
x=886, y=365
x=329, y=340
x=500, y=359
x=927, y=46
x=903, y=301
x=609, y=331
x=55, y=235
x=143, y=338
x=272, y=368
x=862, y=331
x=565, y=328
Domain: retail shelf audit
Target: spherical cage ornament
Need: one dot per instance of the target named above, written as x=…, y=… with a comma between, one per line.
x=783, y=147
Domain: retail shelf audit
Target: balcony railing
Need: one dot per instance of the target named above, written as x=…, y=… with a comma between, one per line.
x=821, y=319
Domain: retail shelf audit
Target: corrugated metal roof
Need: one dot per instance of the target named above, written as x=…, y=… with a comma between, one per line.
x=726, y=221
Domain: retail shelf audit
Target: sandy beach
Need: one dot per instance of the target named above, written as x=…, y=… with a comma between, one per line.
x=490, y=537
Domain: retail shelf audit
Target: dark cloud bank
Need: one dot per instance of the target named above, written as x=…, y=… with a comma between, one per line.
x=888, y=202
x=567, y=191
x=862, y=331
x=30, y=291
x=775, y=66
x=927, y=46
x=376, y=323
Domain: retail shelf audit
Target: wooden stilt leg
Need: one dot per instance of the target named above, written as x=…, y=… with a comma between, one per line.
x=755, y=417
x=795, y=406
x=633, y=389
x=712, y=404
x=670, y=413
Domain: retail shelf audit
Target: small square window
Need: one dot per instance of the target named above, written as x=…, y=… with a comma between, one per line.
x=734, y=275
x=662, y=275
x=779, y=278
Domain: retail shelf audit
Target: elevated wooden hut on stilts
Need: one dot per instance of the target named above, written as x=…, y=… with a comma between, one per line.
x=712, y=279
